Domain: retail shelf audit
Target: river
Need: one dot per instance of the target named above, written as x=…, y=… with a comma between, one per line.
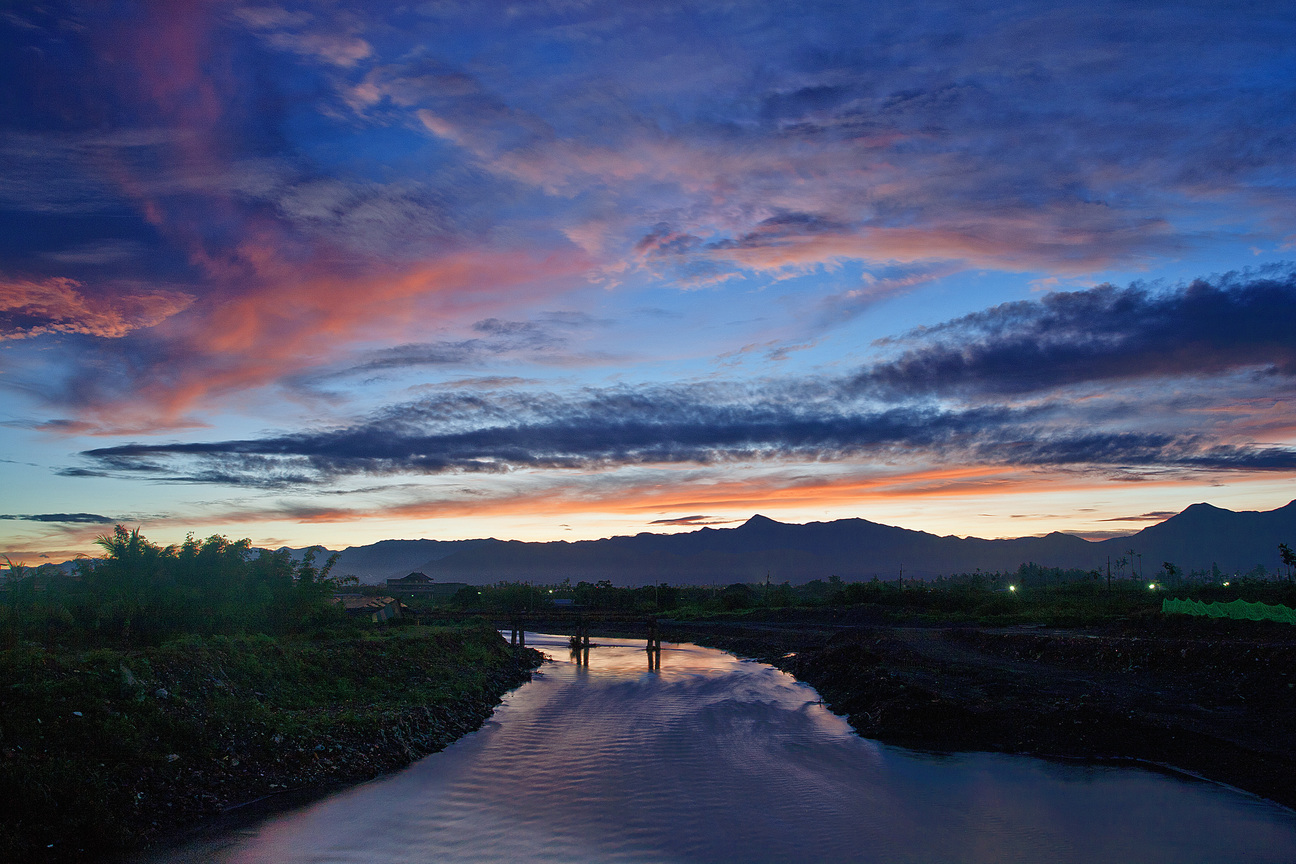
x=716, y=759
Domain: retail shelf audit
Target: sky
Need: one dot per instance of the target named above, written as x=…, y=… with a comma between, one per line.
x=333, y=272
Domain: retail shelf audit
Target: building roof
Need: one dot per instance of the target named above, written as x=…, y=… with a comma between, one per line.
x=420, y=578
x=364, y=604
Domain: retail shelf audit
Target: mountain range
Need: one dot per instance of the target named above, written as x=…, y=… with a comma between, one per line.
x=1200, y=537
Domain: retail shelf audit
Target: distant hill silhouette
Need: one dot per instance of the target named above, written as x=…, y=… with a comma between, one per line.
x=852, y=549
x=1203, y=535
x=390, y=558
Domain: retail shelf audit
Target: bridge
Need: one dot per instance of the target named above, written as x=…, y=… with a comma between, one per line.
x=577, y=623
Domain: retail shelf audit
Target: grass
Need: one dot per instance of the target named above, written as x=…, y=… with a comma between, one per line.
x=99, y=748
x=1066, y=605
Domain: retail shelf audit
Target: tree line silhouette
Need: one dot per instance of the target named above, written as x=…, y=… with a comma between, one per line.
x=140, y=593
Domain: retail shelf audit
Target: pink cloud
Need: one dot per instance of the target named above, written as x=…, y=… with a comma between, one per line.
x=298, y=315
x=59, y=305
x=337, y=49
x=304, y=34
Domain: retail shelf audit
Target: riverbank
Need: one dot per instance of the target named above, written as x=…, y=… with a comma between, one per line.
x=1215, y=699
x=106, y=751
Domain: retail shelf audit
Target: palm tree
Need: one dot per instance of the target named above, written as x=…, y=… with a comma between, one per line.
x=122, y=545
x=14, y=578
x=17, y=570
x=1288, y=558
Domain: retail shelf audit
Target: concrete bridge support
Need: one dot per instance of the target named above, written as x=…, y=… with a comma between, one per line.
x=654, y=646
x=580, y=643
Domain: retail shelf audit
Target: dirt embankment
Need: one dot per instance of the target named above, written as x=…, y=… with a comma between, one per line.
x=1209, y=698
x=107, y=751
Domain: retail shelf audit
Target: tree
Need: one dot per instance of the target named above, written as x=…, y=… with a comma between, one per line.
x=19, y=580
x=467, y=597
x=1288, y=558
x=17, y=570
x=736, y=596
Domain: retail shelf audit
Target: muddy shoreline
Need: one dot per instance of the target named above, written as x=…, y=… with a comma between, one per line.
x=1209, y=699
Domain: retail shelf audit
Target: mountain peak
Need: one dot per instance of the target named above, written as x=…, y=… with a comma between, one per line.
x=759, y=521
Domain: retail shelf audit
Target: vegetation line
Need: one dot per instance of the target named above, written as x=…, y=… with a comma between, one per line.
x=161, y=686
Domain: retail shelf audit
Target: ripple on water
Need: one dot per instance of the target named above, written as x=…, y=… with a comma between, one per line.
x=719, y=759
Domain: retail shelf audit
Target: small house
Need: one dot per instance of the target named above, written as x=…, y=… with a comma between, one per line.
x=376, y=609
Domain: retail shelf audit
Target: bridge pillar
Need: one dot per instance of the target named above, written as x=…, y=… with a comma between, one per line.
x=580, y=642
x=654, y=646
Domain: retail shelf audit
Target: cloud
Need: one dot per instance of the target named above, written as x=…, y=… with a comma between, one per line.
x=59, y=305
x=332, y=48
x=1154, y=516
x=68, y=518
x=882, y=283
x=295, y=317
x=53, y=176
x=101, y=252
x=1126, y=342
x=1096, y=536
x=483, y=382
x=304, y=34
x=692, y=521
x=645, y=492
x=1103, y=335
x=700, y=424
x=81, y=472
x=326, y=176
x=875, y=154
x=546, y=338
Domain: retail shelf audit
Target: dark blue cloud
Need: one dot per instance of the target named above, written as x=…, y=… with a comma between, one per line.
x=68, y=518
x=547, y=337
x=692, y=521
x=1104, y=335
x=669, y=425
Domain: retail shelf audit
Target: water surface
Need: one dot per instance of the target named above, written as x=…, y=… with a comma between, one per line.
x=712, y=758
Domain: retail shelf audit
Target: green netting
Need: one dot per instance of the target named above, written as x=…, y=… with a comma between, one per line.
x=1238, y=609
